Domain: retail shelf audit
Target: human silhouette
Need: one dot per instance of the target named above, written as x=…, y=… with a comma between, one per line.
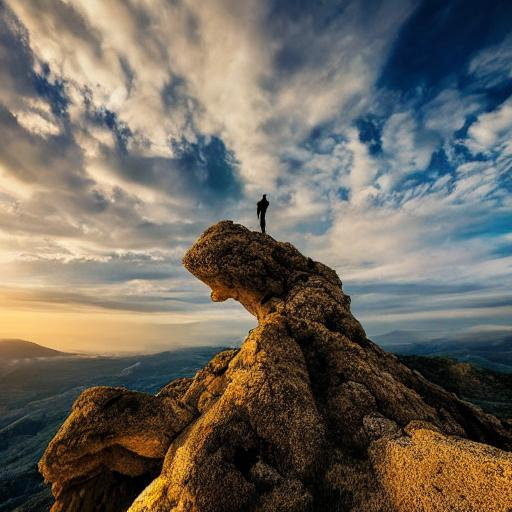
x=262, y=210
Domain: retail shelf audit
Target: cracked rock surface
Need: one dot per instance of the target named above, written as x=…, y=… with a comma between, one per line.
x=307, y=415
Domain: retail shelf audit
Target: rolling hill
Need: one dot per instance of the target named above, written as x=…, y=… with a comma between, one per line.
x=21, y=349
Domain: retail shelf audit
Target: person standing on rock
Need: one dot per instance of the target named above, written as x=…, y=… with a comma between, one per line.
x=261, y=211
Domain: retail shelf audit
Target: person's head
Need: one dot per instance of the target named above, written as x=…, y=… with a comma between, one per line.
x=264, y=196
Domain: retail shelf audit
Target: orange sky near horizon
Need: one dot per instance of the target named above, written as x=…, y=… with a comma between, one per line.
x=91, y=330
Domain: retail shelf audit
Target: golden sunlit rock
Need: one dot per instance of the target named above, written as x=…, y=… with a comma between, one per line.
x=430, y=471
x=308, y=415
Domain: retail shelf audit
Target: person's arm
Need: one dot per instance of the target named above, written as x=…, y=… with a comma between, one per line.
x=258, y=211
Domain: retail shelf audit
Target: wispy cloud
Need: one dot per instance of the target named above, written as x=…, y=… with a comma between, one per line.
x=381, y=132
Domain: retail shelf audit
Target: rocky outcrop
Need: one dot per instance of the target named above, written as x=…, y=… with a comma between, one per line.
x=111, y=445
x=306, y=416
x=426, y=470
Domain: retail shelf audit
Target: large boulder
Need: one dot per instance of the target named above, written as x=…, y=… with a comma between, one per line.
x=307, y=415
x=426, y=470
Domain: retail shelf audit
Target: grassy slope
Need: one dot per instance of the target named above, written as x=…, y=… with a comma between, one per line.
x=490, y=390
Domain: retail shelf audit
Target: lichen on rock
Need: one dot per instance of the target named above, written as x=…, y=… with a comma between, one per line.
x=292, y=421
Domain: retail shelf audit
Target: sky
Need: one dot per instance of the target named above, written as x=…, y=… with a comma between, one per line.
x=381, y=132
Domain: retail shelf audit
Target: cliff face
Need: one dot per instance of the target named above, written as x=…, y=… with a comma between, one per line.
x=308, y=415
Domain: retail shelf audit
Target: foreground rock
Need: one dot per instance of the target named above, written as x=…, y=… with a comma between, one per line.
x=308, y=415
x=425, y=470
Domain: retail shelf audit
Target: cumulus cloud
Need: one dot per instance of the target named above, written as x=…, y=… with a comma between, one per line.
x=492, y=130
x=407, y=146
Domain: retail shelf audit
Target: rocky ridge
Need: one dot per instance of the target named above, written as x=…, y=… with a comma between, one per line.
x=307, y=415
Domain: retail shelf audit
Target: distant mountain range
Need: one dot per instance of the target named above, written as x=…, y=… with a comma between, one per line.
x=21, y=349
x=486, y=349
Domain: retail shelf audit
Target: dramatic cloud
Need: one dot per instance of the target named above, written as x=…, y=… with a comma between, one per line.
x=380, y=130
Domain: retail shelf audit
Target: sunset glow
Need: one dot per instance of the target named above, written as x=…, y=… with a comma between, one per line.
x=127, y=128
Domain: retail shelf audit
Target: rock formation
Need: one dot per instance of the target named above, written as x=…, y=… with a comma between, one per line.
x=309, y=415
